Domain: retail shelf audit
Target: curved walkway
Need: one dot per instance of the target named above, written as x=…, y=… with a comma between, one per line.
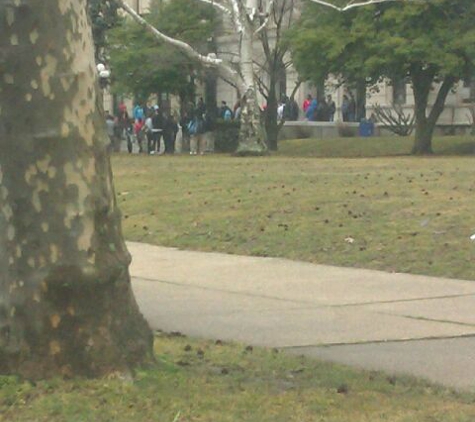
x=398, y=323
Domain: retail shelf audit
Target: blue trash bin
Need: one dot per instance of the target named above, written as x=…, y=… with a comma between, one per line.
x=366, y=128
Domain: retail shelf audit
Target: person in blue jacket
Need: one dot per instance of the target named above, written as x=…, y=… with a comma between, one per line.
x=310, y=114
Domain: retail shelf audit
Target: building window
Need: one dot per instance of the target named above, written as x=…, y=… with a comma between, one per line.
x=399, y=91
x=469, y=89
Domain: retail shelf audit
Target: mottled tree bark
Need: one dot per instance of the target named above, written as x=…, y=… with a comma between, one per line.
x=251, y=136
x=66, y=305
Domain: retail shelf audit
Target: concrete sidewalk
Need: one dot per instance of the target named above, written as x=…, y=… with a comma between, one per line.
x=399, y=323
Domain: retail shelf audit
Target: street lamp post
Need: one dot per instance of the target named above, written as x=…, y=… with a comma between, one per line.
x=104, y=75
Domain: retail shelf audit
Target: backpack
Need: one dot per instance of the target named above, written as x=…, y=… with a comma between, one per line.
x=192, y=127
x=228, y=115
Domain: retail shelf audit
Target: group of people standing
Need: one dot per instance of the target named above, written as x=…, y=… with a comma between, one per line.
x=149, y=125
x=324, y=109
x=287, y=109
x=197, y=121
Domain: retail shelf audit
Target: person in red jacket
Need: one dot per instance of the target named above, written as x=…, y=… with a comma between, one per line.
x=138, y=131
x=306, y=103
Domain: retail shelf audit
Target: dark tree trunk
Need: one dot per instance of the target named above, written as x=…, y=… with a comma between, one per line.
x=360, y=100
x=277, y=89
x=422, y=81
x=66, y=304
x=211, y=94
x=423, y=134
x=270, y=115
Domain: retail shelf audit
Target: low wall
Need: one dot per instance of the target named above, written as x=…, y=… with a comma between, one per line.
x=329, y=130
x=317, y=130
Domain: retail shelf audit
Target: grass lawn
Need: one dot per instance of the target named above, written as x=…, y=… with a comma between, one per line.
x=199, y=381
x=373, y=147
x=390, y=212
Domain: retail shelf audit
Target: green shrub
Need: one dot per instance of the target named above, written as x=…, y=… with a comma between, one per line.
x=226, y=136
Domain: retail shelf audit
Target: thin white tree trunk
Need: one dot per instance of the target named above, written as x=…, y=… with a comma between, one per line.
x=252, y=137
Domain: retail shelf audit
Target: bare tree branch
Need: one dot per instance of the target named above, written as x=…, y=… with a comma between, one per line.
x=232, y=12
x=296, y=88
x=218, y=6
x=262, y=87
x=187, y=49
x=262, y=67
x=233, y=84
x=400, y=123
x=288, y=64
x=352, y=4
x=237, y=15
x=267, y=15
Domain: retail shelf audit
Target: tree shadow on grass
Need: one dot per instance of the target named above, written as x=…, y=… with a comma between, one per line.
x=465, y=148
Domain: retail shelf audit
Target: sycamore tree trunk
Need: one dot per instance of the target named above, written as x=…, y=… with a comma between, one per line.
x=251, y=135
x=66, y=305
x=422, y=82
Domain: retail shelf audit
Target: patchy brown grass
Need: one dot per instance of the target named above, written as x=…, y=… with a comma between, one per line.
x=403, y=213
x=201, y=381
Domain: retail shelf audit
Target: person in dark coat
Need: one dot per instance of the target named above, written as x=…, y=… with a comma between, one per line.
x=184, y=122
x=352, y=109
x=157, y=130
x=345, y=108
x=322, y=111
x=170, y=129
x=197, y=128
x=225, y=112
x=331, y=109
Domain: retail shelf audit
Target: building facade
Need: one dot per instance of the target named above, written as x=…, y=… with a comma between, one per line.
x=459, y=109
